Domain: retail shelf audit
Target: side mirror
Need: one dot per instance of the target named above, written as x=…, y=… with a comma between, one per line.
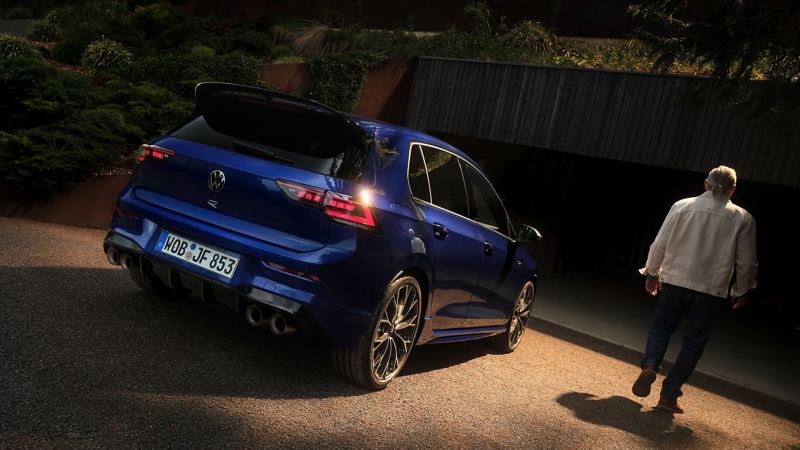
x=526, y=233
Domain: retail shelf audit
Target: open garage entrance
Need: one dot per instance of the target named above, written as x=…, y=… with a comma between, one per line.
x=599, y=216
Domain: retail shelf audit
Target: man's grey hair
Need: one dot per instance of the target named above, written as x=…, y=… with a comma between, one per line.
x=721, y=180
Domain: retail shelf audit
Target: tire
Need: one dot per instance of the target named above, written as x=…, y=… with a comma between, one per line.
x=509, y=340
x=391, y=333
x=153, y=285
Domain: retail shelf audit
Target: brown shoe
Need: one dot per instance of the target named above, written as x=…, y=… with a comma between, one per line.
x=669, y=405
x=641, y=387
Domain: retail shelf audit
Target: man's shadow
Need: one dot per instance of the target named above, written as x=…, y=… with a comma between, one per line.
x=627, y=415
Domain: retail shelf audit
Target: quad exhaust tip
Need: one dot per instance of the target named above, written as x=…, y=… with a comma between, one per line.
x=277, y=323
x=113, y=256
x=125, y=261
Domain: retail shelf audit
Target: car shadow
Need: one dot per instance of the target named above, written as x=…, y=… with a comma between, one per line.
x=98, y=321
x=624, y=414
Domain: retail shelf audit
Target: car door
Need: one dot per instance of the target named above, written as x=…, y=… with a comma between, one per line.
x=454, y=241
x=494, y=296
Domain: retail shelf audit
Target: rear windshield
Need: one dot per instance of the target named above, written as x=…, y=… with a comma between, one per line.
x=281, y=130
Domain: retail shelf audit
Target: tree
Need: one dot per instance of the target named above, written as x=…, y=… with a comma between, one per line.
x=739, y=40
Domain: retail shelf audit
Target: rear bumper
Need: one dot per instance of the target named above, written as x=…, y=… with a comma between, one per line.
x=352, y=272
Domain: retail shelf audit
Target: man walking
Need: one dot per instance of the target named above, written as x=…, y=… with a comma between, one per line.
x=701, y=242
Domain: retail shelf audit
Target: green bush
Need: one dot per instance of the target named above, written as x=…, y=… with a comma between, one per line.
x=43, y=32
x=47, y=159
x=201, y=51
x=233, y=68
x=176, y=72
x=16, y=47
x=531, y=36
x=71, y=49
x=248, y=41
x=104, y=55
x=338, y=78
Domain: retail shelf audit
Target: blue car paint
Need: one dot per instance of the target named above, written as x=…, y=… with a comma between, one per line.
x=468, y=296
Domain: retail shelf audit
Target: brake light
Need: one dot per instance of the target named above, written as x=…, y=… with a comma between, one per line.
x=347, y=210
x=302, y=194
x=338, y=207
x=147, y=151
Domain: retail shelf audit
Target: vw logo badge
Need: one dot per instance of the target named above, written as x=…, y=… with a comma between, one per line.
x=216, y=181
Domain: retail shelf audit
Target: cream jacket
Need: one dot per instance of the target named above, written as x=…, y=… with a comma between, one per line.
x=700, y=243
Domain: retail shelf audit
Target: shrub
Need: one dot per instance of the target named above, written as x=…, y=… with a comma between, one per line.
x=71, y=49
x=233, y=68
x=338, y=78
x=47, y=159
x=43, y=32
x=104, y=55
x=178, y=73
x=36, y=94
x=248, y=41
x=531, y=36
x=16, y=47
x=201, y=51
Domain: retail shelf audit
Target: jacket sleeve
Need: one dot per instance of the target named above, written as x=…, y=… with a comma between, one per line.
x=746, y=264
x=659, y=246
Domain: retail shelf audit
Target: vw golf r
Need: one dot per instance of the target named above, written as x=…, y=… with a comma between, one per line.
x=372, y=237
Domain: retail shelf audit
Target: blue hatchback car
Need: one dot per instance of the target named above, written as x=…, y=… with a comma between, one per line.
x=373, y=237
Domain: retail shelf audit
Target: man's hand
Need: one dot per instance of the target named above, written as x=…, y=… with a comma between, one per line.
x=738, y=302
x=652, y=285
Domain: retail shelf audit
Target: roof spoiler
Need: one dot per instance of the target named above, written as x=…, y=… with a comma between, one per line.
x=203, y=92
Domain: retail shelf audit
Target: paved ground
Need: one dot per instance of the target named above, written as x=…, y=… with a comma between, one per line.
x=749, y=347
x=87, y=360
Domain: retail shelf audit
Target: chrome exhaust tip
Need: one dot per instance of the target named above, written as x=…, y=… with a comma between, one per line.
x=253, y=315
x=279, y=326
x=113, y=256
x=125, y=261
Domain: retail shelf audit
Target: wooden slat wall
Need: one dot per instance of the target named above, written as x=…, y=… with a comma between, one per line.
x=637, y=117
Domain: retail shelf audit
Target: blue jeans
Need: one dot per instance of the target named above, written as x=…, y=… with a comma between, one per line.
x=700, y=311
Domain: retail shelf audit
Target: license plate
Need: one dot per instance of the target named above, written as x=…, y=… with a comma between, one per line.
x=197, y=254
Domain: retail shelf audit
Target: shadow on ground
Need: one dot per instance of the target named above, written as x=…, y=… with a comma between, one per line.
x=627, y=415
x=723, y=388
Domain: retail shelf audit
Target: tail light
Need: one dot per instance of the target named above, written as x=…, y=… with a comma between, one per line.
x=339, y=207
x=148, y=151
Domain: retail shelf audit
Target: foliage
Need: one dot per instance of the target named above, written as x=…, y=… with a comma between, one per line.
x=338, y=78
x=739, y=40
x=233, y=68
x=70, y=50
x=16, y=47
x=248, y=41
x=49, y=158
x=531, y=36
x=105, y=54
x=43, y=32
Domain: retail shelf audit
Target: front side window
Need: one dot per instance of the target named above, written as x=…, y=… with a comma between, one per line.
x=447, y=182
x=418, y=176
x=486, y=205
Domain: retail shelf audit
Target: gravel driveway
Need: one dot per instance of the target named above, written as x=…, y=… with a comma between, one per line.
x=87, y=360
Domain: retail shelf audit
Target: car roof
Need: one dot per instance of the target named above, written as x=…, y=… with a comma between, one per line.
x=371, y=125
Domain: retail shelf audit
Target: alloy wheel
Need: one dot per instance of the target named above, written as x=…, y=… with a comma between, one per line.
x=521, y=315
x=395, y=332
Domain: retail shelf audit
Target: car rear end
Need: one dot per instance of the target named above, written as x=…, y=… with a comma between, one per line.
x=260, y=199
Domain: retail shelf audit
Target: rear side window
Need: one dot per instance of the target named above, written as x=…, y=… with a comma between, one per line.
x=447, y=183
x=487, y=208
x=418, y=176
x=276, y=128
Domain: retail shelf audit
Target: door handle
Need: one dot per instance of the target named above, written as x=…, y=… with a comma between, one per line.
x=440, y=231
x=487, y=248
